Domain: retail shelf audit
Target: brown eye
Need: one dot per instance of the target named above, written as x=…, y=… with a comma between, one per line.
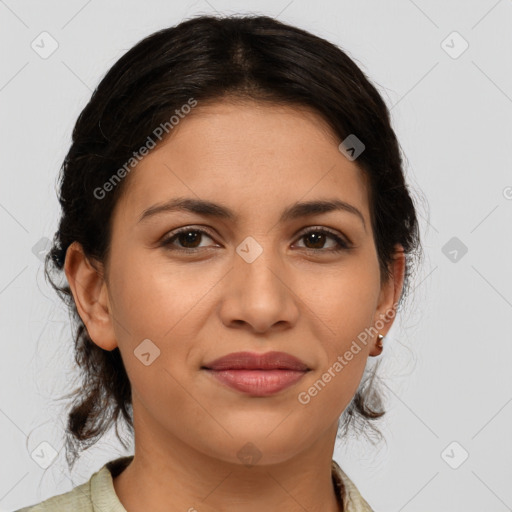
x=187, y=238
x=316, y=239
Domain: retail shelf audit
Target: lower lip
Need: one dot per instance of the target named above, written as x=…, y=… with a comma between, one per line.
x=258, y=382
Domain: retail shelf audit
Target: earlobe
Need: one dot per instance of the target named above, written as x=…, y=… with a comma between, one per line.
x=377, y=348
x=89, y=291
x=390, y=295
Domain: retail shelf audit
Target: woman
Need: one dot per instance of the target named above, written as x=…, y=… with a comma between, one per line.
x=237, y=235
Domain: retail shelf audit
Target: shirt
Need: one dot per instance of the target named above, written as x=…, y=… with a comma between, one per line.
x=98, y=494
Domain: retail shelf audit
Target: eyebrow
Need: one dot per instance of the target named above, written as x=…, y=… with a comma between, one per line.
x=214, y=210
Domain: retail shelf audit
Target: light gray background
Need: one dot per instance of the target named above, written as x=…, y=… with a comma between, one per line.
x=447, y=360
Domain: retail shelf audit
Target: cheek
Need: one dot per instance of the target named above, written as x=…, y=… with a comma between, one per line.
x=347, y=300
x=345, y=303
x=151, y=299
x=161, y=303
x=329, y=390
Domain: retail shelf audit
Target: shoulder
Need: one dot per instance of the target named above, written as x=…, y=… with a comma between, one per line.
x=78, y=499
x=96, y=494
x=347, y=490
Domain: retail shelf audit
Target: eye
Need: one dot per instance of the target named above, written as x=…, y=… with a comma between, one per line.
x=317, y=236
x=190, y=238
x=187, y=237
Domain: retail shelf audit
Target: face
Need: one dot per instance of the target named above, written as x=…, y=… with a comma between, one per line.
x=242, y=277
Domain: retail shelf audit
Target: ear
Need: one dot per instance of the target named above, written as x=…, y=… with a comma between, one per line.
x=91, y=298
x=390, y=292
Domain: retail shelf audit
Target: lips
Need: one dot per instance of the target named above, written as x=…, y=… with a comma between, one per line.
x=255, y=374
x=254, y=361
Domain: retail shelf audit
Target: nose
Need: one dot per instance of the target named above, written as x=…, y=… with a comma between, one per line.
x=257, y=296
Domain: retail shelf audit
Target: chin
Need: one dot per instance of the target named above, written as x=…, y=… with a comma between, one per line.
x=258, y=446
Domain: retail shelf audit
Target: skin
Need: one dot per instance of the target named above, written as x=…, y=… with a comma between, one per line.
x=197, y=306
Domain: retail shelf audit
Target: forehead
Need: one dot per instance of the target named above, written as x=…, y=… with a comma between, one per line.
x=246, y=153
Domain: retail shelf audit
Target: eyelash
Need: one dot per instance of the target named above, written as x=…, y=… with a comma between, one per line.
x=342, y=245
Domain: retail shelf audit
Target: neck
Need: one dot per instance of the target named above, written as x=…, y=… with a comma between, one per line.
x=167, y=472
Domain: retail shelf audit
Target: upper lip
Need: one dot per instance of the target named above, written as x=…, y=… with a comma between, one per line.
x=255, y=361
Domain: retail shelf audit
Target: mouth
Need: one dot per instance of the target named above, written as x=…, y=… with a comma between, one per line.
x=257, y=374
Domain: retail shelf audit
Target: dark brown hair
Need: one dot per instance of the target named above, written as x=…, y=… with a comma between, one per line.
x=209, y=58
